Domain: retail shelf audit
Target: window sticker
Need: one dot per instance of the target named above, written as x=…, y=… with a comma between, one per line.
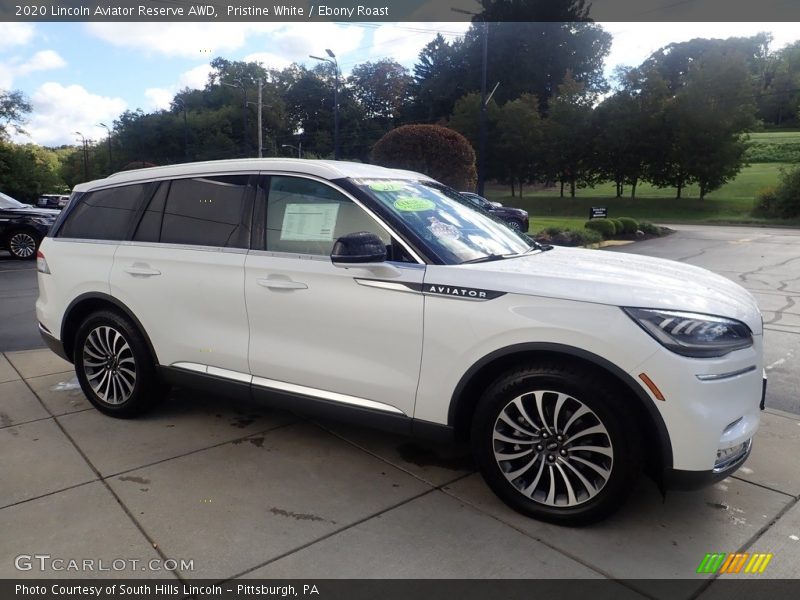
x=386, y=186
x=309, y=222
x=443, y=230
x=413, y=204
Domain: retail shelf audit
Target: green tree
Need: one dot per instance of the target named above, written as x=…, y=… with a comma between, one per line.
x=13, y=108
x=382, y=88
x=466, y=120
x=520, y=136
x=566, y=134
x=436, y=151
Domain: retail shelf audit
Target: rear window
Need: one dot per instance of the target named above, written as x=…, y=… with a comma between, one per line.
x=104, y=214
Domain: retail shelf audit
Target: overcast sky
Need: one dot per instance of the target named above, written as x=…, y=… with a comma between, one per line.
x=79, y=74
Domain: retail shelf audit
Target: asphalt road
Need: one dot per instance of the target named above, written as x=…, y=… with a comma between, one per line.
x=18, y=291
x=765, y=261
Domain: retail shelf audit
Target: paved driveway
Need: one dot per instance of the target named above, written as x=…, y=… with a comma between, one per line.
x=243, y=491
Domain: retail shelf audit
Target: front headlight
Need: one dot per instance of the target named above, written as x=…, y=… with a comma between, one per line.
x=693, y=334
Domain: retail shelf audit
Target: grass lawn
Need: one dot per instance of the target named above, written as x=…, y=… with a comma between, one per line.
x=732, y=203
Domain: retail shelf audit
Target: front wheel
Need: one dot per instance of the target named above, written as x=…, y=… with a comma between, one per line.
x=23, y=244
x=556, y=443
x=515, y=225
x=114, y=367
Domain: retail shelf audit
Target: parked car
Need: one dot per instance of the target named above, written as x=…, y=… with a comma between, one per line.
x=306, y=284
x=516, y=218
x=58, y=201
x=22, y=226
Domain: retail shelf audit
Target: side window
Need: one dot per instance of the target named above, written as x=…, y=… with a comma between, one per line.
x=208, y=211
x=105, y=214
x=149, y=229
x=306, y=217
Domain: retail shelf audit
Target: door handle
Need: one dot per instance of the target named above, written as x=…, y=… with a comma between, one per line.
x=282, y=284
x=141, y=271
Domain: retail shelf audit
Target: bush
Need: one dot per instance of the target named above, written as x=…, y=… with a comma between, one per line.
x=434, y=150
x=649, y=228
x=618, y=227
x=782, y=201
x=604, y=227
x=568, y=237
x=766, y=202
x=628, y=225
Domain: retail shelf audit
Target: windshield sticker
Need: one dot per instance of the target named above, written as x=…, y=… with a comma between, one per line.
x=386, y=186
x=414, y=204
x=443, y=230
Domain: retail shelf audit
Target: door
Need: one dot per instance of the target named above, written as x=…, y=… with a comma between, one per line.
x=346, y=335
x=182, y=274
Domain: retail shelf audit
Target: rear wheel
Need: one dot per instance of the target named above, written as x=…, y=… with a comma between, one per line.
x=114, y=366
x=515, y=225
x=23, y=244
x=556, y=443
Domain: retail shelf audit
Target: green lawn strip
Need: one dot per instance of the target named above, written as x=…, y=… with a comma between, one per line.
x=730, y=204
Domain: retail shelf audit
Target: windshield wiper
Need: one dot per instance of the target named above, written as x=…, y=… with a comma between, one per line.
x=488, y=258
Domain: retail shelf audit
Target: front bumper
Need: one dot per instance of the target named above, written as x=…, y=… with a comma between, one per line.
x=677, y=479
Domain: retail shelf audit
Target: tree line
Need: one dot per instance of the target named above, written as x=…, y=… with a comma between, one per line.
x=677, y=119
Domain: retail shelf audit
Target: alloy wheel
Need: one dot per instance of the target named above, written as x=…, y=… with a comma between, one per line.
x=109, y=365
x=22, y=245
x=552, y=448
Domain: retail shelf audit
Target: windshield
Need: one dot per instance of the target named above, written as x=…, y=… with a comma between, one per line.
x=9, y=202
x=448, y=223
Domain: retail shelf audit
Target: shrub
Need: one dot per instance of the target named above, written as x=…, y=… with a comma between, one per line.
x=604, y=227
x=434, y=150
x=628, y=225
x=649, y=228
x=618, y=227
x=568, y=237
x=782, y=201
x=766, y=202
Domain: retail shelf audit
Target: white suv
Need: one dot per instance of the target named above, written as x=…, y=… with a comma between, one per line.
x=383, y=297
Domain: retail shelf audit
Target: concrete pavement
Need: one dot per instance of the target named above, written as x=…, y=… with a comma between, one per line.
x=243, y=491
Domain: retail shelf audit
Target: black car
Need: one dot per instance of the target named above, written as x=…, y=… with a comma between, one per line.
x=22, y=226
x=515, y=217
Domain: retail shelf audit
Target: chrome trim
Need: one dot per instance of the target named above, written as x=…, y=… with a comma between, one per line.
x=84, y=241
x=717, y=377
x=168, y=246
x=189, y=366
x=387, y=285
x=735, y=460
x=286, y=387
x=325, y=395
x=44, y=329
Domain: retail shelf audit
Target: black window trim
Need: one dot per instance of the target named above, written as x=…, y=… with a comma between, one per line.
x=412, y=251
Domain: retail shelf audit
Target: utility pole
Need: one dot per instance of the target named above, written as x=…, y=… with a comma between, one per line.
x=85, y=157
x=110, y=162
x=260, y=131
x=332, y=60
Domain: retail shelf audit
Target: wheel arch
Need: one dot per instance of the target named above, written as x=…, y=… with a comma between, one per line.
x=467, y=393
x=84, y=305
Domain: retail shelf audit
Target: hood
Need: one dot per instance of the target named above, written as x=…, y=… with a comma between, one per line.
x=617, y=279
x=508, y=210
x=34, y=211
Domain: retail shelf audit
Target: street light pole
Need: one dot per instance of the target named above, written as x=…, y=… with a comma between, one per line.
x=335, y=64
x=244, y=111
x=85, y=158
x=110, y=162
x=260, y=131
x=299, y=148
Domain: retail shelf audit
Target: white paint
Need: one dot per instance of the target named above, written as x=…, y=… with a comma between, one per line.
x=794, y=538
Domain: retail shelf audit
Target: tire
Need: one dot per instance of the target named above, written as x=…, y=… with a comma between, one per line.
x=114, y=366
x=23, y=244
x=557, y=443
x=515, y=225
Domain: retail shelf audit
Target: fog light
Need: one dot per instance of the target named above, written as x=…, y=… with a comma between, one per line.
x=727, y=457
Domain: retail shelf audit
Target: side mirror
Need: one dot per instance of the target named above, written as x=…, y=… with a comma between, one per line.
x=358, y=248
